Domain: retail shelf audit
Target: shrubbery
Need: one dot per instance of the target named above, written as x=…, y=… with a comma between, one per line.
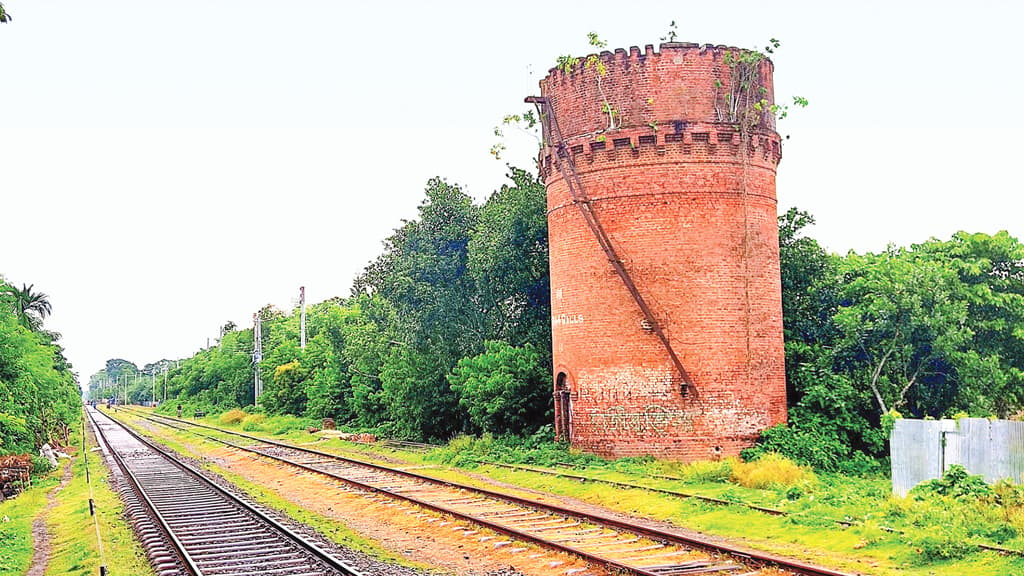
x=770, y=471
x=814, y=447
x=956, y=482
x=504, y=390
x=232, y=417
x=14, y=435
x=40, y=465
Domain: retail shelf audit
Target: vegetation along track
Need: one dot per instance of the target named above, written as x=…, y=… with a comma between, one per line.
x=603, y=540
x=190, y=526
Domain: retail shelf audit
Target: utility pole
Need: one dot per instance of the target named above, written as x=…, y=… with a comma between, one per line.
x=152, y=378
x=302, y=321
x=257, y=356
x=165, y=382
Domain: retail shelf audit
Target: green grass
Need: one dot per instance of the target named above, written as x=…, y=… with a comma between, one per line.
x=16, y=515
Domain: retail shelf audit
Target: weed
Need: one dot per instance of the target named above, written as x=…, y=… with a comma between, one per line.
x=940, y=543
x=770, y=471
x=232, y=417
x=708, y=471
x=252, y=422
x=957, y=482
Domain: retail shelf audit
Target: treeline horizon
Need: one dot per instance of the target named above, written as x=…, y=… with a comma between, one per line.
x=448, y=332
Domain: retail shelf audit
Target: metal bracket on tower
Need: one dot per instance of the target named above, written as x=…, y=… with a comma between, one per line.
x=567, y=168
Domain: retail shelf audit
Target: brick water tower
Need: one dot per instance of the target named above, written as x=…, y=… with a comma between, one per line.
x=666, y=296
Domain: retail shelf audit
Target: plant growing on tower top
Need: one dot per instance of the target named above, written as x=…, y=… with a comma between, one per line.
x=744, y=101
x=566, y=63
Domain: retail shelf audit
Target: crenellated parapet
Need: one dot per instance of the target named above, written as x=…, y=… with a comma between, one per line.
x=683, y=84
x=677, y=142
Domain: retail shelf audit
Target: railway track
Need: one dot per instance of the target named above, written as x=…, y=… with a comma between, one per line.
x=190, y=526
x=605, y=541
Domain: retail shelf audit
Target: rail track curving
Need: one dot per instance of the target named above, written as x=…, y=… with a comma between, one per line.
x=190, y=526
x=610, y=542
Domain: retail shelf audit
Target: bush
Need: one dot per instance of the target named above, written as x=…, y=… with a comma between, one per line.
x=505, y=389
x=770, y=471
x=40, y=465
x=232, y=417
x=252, y=422
x=956, y=482
x=808, y=447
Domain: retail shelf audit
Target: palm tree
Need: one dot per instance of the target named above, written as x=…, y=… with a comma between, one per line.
x=30, y=307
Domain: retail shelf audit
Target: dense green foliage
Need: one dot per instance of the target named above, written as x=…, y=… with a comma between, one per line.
x=504, y=389
x=39, y=397
x=925, y=331
x=404, y=354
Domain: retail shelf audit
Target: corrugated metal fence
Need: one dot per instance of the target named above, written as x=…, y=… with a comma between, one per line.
x=923, y=449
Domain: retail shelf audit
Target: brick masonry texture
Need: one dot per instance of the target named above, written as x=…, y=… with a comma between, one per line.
x=690, y=207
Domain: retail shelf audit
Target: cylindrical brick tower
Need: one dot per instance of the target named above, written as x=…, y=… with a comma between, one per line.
x=673, y=155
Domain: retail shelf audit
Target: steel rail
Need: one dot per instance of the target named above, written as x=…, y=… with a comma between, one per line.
x=296, y=538
x=750, y=556
x=176, y=544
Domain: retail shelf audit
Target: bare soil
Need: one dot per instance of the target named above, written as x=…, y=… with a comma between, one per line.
x=406, y=530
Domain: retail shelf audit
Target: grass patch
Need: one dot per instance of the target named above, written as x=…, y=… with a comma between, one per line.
x=16, y=515
x=252, y=422
x=232, y=417
x=770, y=471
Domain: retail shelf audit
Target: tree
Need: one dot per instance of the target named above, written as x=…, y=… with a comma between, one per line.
x=505, y=389
x=508, y=260
x=991, y=272
x=423, y=274
x=30, y=307
x=5, y=16
x=420, y=403
x=901, y=325
x=287, y=395
x=366, y=346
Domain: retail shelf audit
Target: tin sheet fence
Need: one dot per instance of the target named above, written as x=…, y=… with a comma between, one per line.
x=924, y=449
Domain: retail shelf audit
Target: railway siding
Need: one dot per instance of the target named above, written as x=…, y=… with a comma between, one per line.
x=613, y=543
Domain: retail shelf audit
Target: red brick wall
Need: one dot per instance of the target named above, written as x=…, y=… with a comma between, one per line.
x=693, y=217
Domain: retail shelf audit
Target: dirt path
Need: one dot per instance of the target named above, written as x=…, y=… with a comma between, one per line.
x=40, y=536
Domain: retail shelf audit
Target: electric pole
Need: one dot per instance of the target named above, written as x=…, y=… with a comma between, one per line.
x=257, y=355
x=302, y=321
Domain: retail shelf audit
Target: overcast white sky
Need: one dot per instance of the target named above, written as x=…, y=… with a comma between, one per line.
x=168, y=166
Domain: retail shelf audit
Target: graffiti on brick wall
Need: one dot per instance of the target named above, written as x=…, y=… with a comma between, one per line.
x=652, y=419
x=566, y=319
